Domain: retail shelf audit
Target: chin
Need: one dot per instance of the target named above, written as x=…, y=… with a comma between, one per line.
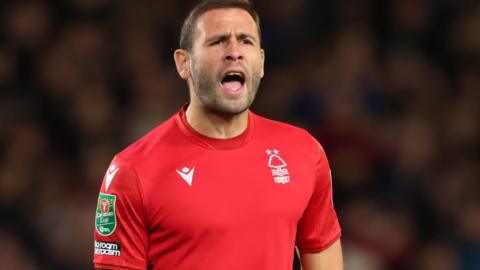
x=231, y=108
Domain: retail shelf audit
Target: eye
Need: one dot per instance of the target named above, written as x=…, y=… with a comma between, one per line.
x=247, y=41
x=216, y=42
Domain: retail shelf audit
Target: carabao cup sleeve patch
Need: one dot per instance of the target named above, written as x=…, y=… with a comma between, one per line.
x=105, y=218
x=120, y=220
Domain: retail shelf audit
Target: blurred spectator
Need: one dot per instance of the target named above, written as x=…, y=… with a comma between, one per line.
x=390, y=88
x=15, y=255
x=27, y=24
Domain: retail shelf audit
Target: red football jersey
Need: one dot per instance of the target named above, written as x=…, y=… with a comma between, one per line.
x=176, y=199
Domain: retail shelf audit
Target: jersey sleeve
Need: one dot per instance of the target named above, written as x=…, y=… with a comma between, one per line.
x=120, y=236
x=319, y=227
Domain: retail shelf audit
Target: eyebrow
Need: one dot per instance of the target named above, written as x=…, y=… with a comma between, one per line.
x=224, y=37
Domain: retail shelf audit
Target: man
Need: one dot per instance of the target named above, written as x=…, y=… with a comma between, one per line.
x=216, y=186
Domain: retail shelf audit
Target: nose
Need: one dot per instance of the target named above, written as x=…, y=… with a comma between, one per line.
x=233, y=51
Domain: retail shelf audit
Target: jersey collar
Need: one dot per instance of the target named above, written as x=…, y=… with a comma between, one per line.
x=214, y=143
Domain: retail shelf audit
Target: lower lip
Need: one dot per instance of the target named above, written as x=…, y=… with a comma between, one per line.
x=233, y=93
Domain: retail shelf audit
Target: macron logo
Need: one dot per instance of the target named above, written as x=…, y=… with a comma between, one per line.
x=112, y=170
x=186, y=174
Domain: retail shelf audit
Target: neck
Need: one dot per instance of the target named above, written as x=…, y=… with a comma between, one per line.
x=215, y=125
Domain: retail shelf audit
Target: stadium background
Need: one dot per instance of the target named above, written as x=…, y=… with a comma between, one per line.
x=390, y=88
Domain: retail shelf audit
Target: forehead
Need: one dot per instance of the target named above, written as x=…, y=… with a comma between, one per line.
x=226, y=20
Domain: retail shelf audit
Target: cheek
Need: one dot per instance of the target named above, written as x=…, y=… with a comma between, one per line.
x=258, y=59
x=200, y=64
x=258, y=67
x=207, y=64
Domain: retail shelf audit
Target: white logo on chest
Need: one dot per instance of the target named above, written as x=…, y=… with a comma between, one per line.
x=186, y=174
x=279, y=167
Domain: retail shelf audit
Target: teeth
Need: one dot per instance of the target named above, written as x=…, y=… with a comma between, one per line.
x=234, y=73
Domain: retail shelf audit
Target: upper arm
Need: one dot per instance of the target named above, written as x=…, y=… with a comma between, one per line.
x=330, y=258
x=318, y=227
x=120, y=237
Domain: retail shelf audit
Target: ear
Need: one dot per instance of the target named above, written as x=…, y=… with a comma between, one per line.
x=262, y=55
x=182, y=62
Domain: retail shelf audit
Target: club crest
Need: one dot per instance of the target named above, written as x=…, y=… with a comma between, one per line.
x=279, y=167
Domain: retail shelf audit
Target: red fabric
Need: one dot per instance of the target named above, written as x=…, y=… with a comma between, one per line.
x=233, y=215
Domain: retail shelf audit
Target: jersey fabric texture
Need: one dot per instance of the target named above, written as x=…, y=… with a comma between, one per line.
x=180, y=200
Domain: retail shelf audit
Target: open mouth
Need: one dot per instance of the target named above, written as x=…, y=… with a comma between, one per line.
x=233, y=81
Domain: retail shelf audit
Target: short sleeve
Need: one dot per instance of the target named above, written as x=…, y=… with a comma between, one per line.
x=319, y=227
x=120, y=235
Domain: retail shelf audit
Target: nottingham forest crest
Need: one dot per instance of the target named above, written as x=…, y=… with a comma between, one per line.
x=279, y=167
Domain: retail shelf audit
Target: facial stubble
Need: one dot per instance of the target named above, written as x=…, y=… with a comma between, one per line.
x=206, y=85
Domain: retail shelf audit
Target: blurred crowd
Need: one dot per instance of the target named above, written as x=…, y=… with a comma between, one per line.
x=390, y=88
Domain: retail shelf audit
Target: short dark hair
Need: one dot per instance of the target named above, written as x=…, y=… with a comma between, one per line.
x=188, y=27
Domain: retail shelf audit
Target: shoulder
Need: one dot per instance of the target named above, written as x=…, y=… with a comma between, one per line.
x=282, y=129
x=151, y=142
x=292, y=137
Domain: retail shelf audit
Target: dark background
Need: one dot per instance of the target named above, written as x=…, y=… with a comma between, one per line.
x=390, y=88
